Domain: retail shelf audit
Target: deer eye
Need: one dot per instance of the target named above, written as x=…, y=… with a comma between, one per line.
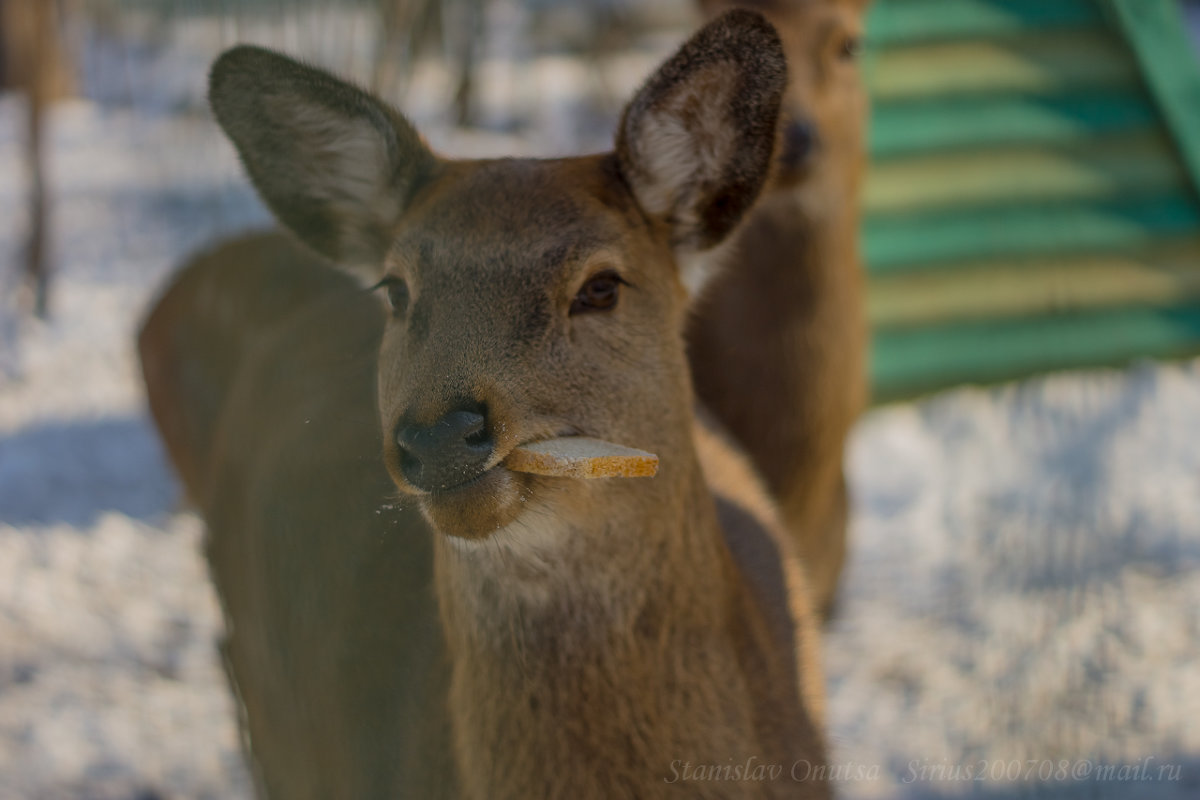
x=850, y=48
x=397, y=293
x=600, y=293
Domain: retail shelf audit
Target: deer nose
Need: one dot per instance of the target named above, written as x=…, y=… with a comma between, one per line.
x=799, y=142
x=448, y=453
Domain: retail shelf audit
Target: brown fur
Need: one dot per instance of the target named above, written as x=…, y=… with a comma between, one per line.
x=512, y=635
x=778, y=342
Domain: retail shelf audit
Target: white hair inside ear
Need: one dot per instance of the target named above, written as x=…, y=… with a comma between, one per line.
x=685, y=146
x=348, y=158
x=696, y=143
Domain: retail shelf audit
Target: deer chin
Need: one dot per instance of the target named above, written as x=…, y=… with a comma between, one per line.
x=476, y=509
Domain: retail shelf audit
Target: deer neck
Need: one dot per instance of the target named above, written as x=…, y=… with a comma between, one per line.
x=593, y=643
x=823, y=216
x=602, y=555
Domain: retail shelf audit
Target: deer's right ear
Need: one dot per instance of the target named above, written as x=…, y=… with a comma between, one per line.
x=695, y=144
x=334, y=164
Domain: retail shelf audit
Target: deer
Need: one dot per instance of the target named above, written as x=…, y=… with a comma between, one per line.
x=406, y=615
x=789, y=318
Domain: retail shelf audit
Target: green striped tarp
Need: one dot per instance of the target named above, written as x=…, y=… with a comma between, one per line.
x=1032, y=202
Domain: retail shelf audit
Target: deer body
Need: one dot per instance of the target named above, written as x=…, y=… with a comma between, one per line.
x=788, y=316
x=333, y=644
x=487, y=633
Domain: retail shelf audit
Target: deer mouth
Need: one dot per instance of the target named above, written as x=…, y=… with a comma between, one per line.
x=475, y=508
x=492, y=498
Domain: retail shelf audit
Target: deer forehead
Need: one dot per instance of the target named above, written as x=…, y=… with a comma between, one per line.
x=518, y=228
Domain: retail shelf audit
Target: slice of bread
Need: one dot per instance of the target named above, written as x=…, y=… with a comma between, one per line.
x=581, y=457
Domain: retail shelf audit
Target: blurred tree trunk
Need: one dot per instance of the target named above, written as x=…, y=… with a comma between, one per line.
x=405, y=23
x=456, y=26
x=33, y=61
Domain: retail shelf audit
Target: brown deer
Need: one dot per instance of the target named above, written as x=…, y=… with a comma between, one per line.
x=778, y=341
x=431, y=623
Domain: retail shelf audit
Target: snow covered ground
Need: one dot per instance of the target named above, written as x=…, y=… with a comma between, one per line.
x=1022, y=602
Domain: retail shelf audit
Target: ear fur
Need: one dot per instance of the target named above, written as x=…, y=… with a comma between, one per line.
x=334, y=164
x=696, y=143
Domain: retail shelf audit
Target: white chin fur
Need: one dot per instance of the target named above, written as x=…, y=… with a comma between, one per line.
x=533, y=538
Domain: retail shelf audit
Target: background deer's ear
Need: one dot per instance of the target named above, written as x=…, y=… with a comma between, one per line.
x=695, y=144
x=334, y=164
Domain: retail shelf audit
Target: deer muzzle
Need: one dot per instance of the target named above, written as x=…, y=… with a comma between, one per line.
x=451, y=452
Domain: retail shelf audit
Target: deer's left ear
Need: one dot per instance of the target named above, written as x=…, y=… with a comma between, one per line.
x=696, y=143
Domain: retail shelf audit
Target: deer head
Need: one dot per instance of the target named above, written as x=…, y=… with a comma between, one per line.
x=525, y=299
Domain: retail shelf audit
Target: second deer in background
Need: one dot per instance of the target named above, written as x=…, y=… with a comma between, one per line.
x=778, y=345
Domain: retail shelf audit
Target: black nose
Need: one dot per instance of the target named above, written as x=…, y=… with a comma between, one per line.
x=799, y=142
x=448, y=453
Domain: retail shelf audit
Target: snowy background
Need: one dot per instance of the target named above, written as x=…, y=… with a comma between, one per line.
x=1024, y=587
